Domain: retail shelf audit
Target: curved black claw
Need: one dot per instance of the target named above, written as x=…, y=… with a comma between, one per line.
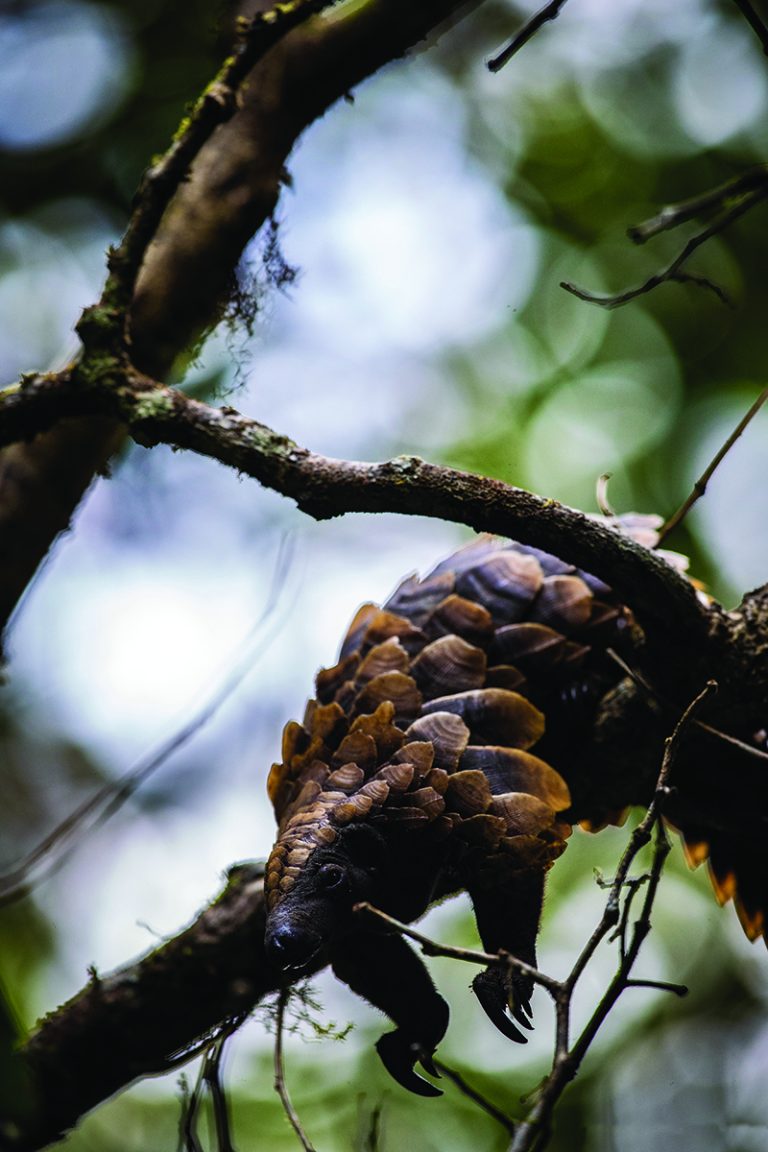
x=428, y=1065
x=491, y=991
x=398, y=1055
x=522, y=1013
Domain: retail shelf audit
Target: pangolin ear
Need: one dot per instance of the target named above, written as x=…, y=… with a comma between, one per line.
x=364, y=846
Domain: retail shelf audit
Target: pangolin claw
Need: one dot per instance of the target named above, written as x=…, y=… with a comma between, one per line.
x=428, y=1064
x=398, y=1055
x=489, y=989
x=521, y=1012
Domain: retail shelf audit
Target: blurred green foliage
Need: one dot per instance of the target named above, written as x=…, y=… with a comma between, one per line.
x=602, y=119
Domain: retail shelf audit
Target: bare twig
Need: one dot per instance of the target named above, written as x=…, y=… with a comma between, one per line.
x=477, y=1097
x=549, y=12
x=212, y=1076
x=190, y=1104
x=636, y=677
x=280, y=1085
x=674, y=272
x=601, y=495
x=59, y=844
x=633, y=886
x=715, y=199
x=208, y=1078
x=755, y=22
x=700, y=487
x=469, y=955
x=660, y=985
x=534, y=1131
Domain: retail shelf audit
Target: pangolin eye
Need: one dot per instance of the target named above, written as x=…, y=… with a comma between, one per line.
x=331, y=875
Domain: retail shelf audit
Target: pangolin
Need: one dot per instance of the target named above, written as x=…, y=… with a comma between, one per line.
x=423, y=767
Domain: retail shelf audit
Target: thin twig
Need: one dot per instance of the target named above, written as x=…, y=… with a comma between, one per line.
x=469, y=955
x=477, y=1097
x=653, y=694
x=534, y=1132
x=58, y=845
x=633, y=886
x=280, y=1084
x=661, y=986
x=674, y=271
x=530, y=28
x=714, y=199
x=755, y=22
x=188, y=1141
x=700, y=487
x=212, y=1078
x=601, y=495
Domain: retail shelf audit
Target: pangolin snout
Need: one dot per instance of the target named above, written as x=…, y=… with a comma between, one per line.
x=291, y=946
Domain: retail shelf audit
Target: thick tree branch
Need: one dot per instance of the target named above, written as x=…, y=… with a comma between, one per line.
x=215, y=106
x=232, y=190
x=237, y=177
x=323, y=487
x=140, y=1019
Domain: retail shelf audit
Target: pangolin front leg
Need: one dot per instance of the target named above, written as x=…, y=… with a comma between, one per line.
x=383, y=969
x=508, y=919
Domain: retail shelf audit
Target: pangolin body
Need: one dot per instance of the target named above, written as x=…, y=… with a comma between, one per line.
x=422, y=768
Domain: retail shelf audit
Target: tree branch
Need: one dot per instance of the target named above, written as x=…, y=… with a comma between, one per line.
x=236, y=179
x=700, y=486
x=142, y=1018
x=755, y=22
x=214, y=107
x=533, y=1132
x=280, y=1085
x=231, y=191
x=323, y=487
x=675, y=271
x=713, y=200
x=550, y=11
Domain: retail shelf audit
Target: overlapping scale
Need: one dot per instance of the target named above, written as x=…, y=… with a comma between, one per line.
x=449, y=664
x=457, y=616
x=564, y=603
x=447, y=734
x=505, y=583
x=494, y=716
x=515, y=770
x=416, y=599
x=387, y=657
x=529, y=647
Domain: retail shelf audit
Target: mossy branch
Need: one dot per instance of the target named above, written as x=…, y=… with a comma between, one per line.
x=324, y=487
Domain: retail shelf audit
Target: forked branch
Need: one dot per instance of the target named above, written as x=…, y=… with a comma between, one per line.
x=731, y=200
x=533, y=1132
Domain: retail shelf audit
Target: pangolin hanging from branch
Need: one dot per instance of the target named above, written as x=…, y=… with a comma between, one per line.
x=449, y=749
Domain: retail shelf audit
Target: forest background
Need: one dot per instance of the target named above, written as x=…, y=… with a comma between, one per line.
x=430, y=222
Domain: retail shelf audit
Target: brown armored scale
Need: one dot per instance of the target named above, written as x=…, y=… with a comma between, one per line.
x=445, y=751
